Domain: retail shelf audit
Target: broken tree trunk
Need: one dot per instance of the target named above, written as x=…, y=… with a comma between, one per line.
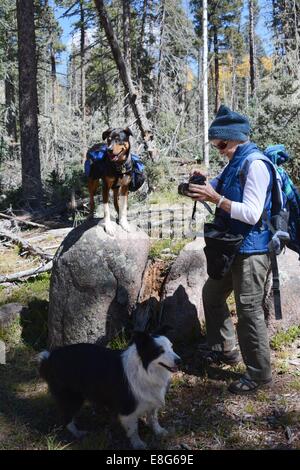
x=25, y=245
x=21, y=221
x=29, y=272
x=133, y=95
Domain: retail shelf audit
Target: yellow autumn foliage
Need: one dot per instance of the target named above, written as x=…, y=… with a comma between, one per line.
x=242, y=69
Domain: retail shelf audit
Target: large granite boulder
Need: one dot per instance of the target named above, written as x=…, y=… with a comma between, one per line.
x=95, y=283
x=182, y=293
x=9, y=313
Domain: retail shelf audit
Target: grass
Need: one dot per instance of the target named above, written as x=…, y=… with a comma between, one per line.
x=12, y=334
x=250, y=408
x=35, y=288
x=120, y=341
x=285, y=338
x=31, y=328
x=9, y=261
x=175, y=246
x=53, y=444
x=295, y=385
x=166, y=197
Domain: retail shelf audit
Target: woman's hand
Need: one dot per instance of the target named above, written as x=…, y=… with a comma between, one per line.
x=203, y=192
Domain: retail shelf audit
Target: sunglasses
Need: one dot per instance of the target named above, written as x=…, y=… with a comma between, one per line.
x=221, y=145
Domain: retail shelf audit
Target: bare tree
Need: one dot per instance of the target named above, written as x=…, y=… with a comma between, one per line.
x=126, y=44
x=205, y=88
x=133, y=97
x=217, y=68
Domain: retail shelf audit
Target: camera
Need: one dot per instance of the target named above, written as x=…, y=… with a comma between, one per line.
x=183, y=188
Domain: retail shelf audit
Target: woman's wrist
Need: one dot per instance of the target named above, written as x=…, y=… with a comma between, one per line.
x=219, y=202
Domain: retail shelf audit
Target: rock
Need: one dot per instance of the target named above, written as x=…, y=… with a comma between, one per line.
x=182, y=293
x=9, y=313
x=289, y=269
x=95, y=283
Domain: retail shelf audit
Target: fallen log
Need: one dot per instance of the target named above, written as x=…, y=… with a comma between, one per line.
x=28, y=273
x=25, y=245
x=21, y=221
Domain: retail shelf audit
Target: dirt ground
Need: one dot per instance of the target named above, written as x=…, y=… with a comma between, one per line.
x=200, y=413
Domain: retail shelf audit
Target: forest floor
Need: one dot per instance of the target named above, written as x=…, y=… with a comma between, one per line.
x=200, y=412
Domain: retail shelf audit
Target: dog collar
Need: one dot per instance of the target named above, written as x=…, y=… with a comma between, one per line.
x=124, y=167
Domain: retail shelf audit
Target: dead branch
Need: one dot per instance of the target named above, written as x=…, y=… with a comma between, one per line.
x=25, y=245
x=21, y=221
x=29, y=272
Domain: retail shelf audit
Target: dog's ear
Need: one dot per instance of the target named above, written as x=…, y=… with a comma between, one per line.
x=140, y=337
x=128, y=131
x=106, y=133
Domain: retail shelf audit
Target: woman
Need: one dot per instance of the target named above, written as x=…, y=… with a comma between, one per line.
x=239, y=210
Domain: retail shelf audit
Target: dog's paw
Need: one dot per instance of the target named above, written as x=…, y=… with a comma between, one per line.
x=125, y=225
x=109, y=229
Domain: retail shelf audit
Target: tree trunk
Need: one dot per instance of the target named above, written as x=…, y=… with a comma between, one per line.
x=217, y=73
x=144, y=16
x=205, y=89
x=252, y=49
x=126, y=46
x=160, y=57
x=82, y=80
x=296, y=14
x=199, y=85
x=10, y=121
x=53, y=75
x=28, y=102
x=233, y=84
x=134, y=99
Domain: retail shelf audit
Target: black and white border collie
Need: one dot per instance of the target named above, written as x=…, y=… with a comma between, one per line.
x=131, y=382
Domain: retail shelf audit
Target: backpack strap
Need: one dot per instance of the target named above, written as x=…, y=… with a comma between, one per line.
x=276, y=286
x=277, y=201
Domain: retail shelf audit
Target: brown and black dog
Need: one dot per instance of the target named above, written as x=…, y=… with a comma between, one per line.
x=115, y=171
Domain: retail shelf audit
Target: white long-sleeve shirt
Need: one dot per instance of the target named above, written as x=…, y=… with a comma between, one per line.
x=254, y=196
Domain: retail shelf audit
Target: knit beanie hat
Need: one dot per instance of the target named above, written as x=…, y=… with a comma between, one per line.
x=229, y=125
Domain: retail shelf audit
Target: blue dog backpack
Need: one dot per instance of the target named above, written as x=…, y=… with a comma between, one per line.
x=97, y=153
x=285, y=217
x=138, y=173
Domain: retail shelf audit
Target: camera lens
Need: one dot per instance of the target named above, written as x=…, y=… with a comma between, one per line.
x=183, y=188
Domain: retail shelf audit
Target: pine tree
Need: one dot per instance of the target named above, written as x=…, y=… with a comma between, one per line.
x=28, y=103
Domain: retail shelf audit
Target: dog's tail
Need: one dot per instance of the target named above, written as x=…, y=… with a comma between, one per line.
x=42, y=359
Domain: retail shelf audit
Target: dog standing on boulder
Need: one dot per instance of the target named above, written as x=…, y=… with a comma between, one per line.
x=115, y=170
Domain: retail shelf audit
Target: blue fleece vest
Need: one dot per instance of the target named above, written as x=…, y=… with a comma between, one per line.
x=256, y=237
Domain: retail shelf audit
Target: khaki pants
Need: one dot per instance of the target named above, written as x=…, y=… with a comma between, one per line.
x=246, y=279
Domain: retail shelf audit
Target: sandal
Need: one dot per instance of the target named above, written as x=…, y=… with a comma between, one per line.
x=220, y=357
x=246, y=385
